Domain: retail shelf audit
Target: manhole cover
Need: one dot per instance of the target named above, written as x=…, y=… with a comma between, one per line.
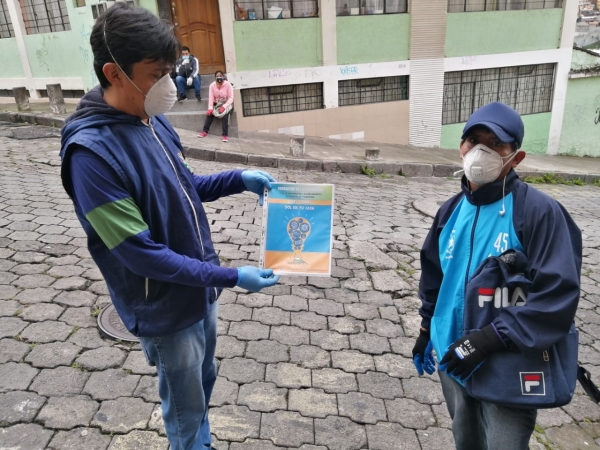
x=110, y=324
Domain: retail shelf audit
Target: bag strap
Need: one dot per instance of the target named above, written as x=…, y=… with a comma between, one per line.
x=585, y=379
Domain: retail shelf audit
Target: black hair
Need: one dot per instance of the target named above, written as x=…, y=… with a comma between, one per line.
x=185, y=48
x=133, y=35
x=219, y=71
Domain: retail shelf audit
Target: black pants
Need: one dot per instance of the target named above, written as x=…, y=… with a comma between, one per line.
x=224, y=121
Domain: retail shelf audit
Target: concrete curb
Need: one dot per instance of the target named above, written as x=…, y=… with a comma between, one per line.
x=33, y=118
x=315, y=165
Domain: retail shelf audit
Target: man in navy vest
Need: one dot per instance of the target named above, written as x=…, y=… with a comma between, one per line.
x=140, y=205
x=494, y=212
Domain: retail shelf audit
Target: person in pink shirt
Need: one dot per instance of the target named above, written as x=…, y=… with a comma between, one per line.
x=220, y=104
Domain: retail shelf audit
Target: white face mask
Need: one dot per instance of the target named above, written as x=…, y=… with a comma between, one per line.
x=160, y=98
x=483, y=165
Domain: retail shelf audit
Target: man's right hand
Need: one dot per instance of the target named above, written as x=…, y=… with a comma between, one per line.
x=254, y=279
x=422, y=354
x=209, y=112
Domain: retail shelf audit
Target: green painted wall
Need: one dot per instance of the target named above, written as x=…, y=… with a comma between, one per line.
x=53, y=54
x=380, y=38
x=484, y=33
x=537, y=129
x=11, y=61
x=582, y=61
x=581, y=128
x=278, y=43
x=62, y=54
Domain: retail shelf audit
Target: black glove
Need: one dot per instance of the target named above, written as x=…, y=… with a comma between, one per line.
x=422, y=355
x=469, y=352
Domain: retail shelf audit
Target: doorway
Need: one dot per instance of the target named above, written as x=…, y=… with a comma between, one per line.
x=198, y=26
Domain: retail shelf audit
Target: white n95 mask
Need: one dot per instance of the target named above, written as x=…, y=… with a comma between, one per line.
x=483, y=165
x=161, y=97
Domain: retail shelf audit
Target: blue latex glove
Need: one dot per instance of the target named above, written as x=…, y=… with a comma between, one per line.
x=254, y=279
x=427, y=363
x=256, y=181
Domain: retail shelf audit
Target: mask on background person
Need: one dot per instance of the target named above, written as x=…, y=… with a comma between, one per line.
x=483, y=165
x=186, y=57
x=219, y=79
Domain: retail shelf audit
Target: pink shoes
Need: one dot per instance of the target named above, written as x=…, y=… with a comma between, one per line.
x=203, y=134
x=224, y=138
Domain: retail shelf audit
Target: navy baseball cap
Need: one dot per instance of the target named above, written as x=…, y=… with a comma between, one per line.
x=501, y=120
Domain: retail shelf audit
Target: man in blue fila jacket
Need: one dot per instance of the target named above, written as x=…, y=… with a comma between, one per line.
x=141, y=208
x=494, y=212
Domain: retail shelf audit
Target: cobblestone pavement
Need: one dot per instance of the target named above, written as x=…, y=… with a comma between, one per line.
x=312, y=363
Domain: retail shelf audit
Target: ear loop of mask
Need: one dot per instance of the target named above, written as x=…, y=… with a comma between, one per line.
x=115, y=60
x=503, y=210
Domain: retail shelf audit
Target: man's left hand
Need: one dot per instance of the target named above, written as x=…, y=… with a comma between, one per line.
x=256, y=181
x=221, y=110
x=190, y=80
x=469, y=352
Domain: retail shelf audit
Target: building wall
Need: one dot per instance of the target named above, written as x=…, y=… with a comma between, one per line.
x=278, y=44
x=581, y=126
x=377, y=38
x=382, y=122
x=537, y=128
x=11, y=62
x=483, y=33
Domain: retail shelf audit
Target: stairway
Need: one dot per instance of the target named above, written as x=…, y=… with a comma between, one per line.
x=191, y=113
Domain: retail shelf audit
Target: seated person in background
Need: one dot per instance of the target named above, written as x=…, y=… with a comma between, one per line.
x=220, y=104
x=186, y=74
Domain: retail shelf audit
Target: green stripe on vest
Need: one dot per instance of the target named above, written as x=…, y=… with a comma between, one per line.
x=116, y=221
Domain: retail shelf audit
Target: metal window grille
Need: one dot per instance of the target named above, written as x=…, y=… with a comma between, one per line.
x=6, y=28
x=282, y=99
x=45, y=16
x=368, y=7
x=528, y=89
x=275, y=9
x=372, y=90
x=501, y=5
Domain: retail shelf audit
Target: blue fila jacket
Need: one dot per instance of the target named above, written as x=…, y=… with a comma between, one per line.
x=469, y=228
x=141, y=208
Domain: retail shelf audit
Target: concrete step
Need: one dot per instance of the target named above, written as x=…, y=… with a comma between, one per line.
x=194, y=121
x=191, y=104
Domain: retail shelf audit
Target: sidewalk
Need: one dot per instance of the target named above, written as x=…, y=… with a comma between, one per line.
x=334, y=155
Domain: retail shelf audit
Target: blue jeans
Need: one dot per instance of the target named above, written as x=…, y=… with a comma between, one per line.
x=181, y=83
x=185, y=362
x=479, y=425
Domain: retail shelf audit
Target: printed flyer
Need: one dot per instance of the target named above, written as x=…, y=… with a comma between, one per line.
x=297, y=229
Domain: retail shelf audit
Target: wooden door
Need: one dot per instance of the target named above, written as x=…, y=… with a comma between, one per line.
x=198, y=26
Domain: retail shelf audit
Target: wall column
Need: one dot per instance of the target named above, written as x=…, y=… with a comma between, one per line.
x=561, y=77
x=227, y=18
x=427, y=51
x=14, y=11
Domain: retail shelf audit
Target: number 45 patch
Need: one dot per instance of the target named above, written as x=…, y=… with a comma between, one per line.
x=501, y=244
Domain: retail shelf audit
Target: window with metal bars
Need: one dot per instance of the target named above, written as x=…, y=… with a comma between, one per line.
x=368, y=7
x=282, y=99
x=275, y=9
x=528, y=89
x=6, y=28
x=372, y=90
x=45, y=16
x=501, y=5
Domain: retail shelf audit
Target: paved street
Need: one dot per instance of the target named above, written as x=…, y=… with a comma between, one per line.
x=312, y=363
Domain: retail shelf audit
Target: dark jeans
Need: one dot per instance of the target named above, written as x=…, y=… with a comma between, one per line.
x=224, y=120
x=478, y=425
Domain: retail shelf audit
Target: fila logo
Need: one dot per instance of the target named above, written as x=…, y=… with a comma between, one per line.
x=532, y=383
x=501, y=298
